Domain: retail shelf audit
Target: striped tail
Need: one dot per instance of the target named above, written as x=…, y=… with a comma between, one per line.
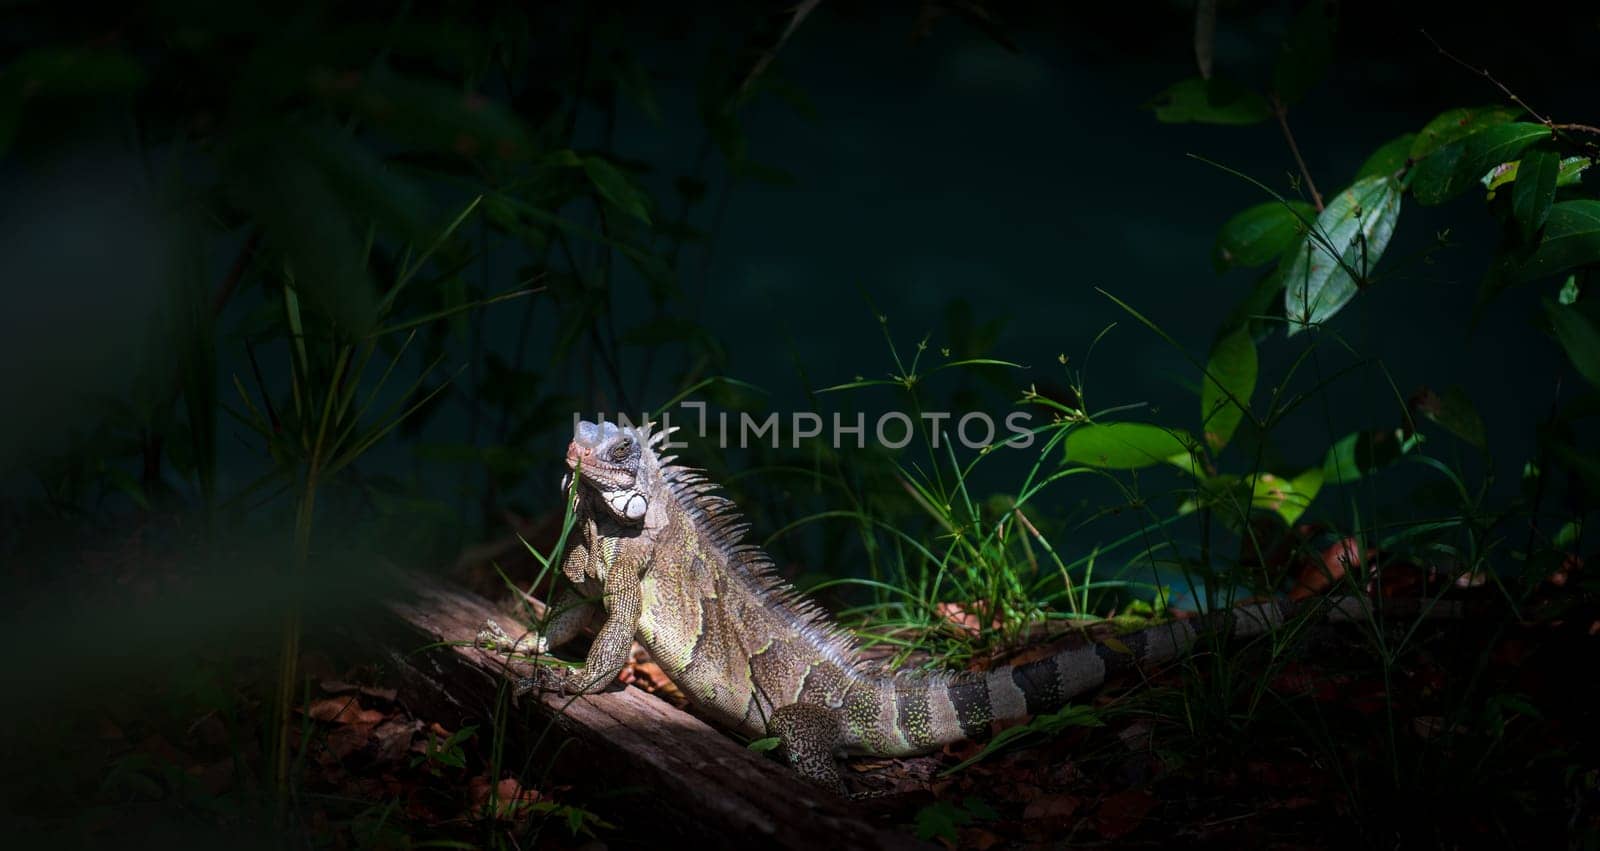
x=929, y=712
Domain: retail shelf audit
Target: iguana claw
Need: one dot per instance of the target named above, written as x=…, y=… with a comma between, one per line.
x=543, y=680
x=491, y=637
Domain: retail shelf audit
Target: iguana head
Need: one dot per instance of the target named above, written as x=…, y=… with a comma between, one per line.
x=610, y=460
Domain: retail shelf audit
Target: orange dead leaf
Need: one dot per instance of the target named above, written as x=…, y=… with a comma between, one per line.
x=962, y=615
x=338, y=710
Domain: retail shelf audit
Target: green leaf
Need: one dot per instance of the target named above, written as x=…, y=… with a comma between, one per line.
x=764, y=745
x=1260, y=234
x=1214, y=101
x=1455, y=413
x=617, y=189
x=1571, y=239
x=1459, y=123
x=939, y=820
x=1572, y=170
x=1232, y=497
x=1230, y=380
x=1126, y=446
x=1307, y=51
x=1365, y=452
x=1569, y=290
x=1534, y=192
x=1288, y=498
x=1453, y=168
x=1389, y=158
x=1320, y=278
x=1578, y=337
x=1570, y=173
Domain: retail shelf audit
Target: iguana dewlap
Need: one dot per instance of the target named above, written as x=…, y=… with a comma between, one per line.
x=664, y=556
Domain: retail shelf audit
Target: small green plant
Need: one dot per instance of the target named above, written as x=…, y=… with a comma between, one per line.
x=942, y=819
x=445, y=752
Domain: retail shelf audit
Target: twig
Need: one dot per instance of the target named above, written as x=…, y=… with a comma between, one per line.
x=1484, y=73
x=1281, y=111
x=1516, y=99
x=799, y=14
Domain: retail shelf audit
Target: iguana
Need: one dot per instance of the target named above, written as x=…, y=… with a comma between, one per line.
x=665, y=556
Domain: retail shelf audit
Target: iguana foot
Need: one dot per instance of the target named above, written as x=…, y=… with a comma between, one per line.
x=543, y=680
x=492, y=637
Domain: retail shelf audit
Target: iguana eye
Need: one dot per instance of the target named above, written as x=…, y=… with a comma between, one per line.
x=620, y=451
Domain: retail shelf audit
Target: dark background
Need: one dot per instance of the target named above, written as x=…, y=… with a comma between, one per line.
x=971, y=188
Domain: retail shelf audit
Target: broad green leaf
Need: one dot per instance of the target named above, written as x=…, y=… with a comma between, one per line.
x=1534, y=192
x=1351, y=234
x=1232, y=497
x=1454, y=412
x=617, y=189
x=1453, y=168
x=1214, y=101
x=1579, y=338
x=1572, y=169
x=1365, y=452
x=1570, y=173
x=1571, y=239
x=1389, y=158
x=1231, y=370
x=1499, y=176
x=1459, y=123
x=1125, y=446
x=1307, y=50
x=1260, y=234
x=1289, y=498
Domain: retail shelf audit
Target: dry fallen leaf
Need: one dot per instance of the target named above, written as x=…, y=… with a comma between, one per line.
x=511, y=798
x=347, y=739
x=1122, y=813
x=338, y=710
x=1052, y=807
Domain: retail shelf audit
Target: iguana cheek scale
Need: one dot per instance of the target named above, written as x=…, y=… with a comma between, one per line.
x=665, y=556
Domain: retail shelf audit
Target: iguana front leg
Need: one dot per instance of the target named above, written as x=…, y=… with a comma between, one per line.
x=612, y=647
x=569, y=614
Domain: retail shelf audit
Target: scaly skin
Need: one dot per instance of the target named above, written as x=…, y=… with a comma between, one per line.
x=663, y=555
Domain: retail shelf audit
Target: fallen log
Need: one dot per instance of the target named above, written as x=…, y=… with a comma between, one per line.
x=702, y=785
